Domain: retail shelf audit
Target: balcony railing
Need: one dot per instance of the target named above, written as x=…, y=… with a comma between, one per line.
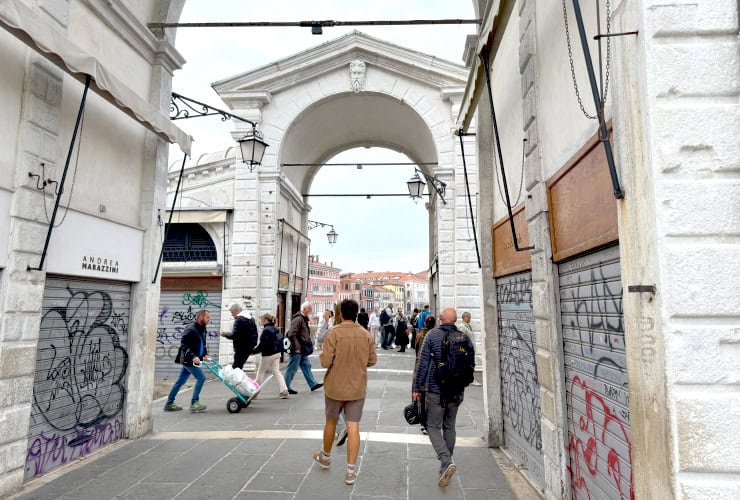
x=200, y=253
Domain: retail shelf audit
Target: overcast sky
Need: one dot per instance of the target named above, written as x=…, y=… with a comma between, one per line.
x=377, y=234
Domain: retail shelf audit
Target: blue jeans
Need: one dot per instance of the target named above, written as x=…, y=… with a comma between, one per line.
x=305, y=364
x=186, y=371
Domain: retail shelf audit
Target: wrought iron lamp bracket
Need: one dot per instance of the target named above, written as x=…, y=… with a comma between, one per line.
x=181, y=108
x=440, y=187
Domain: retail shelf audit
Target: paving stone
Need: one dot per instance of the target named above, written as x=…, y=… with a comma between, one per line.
x=224, y=479
x=282, y=468
x=193, y=463
x=264, y=495
x=258, y=446
x=275, y=481
x=153, y=490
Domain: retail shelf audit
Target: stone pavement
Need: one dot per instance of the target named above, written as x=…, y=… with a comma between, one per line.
x=264, y=452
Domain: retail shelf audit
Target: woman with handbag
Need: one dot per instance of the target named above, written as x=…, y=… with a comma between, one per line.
x=270, y=346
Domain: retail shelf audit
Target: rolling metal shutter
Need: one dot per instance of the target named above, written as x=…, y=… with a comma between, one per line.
x=176, y=311
x=81, y=367
x=597, y=404
x=519, y=385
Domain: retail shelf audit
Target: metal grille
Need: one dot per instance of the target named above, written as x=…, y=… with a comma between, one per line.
x=81, y=367
x=599, y=437
x=519, y=385
x=176, y=311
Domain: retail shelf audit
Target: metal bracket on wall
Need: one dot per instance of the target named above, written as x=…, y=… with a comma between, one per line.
x=80, y=112
x=642, y=289
x=603, y=131
x=484, y=57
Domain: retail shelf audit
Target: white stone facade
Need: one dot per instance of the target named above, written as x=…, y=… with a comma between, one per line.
x=407, y=102
x=673, y=106
x=108, y=210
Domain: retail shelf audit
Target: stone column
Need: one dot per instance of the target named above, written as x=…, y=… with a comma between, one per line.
x=21, y=290
x=145, y=294
x=489, y=312
x=544, y=278
x=446, y=239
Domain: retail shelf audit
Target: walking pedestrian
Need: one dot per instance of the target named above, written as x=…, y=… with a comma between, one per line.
x=412, y=326
x=270, y=346
x=300, y=348
x=348, y=352
x=402, y=336
x=363, y=319
x=446, y=367
x=428, y=325
x=327, y=321
x=422, y=317
x=464, y=326
x=386, y=327
x=374, y=324
x=243, y=334
x=192, y=351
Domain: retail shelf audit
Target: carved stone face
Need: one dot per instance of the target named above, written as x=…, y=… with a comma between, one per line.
x=357, y=75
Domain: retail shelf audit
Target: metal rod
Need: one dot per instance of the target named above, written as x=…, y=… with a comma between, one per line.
x=470, y=203
x=309, y=24
x=80, y=112
x=603, y=131
x=601, y=63
x=370, y=164
x=607, y=35
x=343, y=195
x=484, y=56
x=206, y=108
x=286, y=223
x=169, y=221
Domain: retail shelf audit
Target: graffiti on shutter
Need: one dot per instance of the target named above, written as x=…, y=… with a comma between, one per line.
x=176, y=311
x=599, y=438
x=80, y=380
x=519, y=385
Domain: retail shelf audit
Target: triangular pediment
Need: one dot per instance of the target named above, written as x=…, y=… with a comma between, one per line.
x=379, y=54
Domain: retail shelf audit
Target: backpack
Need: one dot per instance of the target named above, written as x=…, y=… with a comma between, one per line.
x=454, y=371
x=384, y=318
x=282, y=344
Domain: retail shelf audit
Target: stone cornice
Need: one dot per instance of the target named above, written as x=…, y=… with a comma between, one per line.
x=118, y=17
x=291, y=193
x=306, y=65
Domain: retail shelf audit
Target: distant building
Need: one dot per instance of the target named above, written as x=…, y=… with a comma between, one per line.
x=323, y=286
x=377, y=289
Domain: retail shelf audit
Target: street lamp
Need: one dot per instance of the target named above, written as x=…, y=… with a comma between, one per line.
x=416, y=185
x=331, y=235
x=253, y=148
x=252, y=145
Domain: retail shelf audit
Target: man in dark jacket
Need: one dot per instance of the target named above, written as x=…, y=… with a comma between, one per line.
x=192, y=351
x=441, y=411
x=363, y=319
x=244, y=335
x=300, y=338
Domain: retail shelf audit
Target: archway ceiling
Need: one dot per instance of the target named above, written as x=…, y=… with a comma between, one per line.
x=352, y=120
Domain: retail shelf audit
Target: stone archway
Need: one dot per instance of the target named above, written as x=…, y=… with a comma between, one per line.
x=309, y=108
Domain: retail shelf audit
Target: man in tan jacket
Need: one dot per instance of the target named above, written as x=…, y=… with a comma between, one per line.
x=347, y=352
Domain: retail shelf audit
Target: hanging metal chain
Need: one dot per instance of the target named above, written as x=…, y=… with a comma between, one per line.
x=521, y=179
x=605, y=90
x=74, y=177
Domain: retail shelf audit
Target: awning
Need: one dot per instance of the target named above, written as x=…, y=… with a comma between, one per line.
x=199, y=215
x=27, y=25
x=476, y=78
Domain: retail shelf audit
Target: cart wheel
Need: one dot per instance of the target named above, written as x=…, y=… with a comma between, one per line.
x=233, y=405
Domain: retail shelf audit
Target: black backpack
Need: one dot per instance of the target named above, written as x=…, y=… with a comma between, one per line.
x=384, y=318
x=454, y=371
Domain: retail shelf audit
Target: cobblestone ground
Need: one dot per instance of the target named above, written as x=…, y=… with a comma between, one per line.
x=264, y=452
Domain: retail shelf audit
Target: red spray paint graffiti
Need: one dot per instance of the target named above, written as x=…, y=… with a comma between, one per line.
x=594, y=446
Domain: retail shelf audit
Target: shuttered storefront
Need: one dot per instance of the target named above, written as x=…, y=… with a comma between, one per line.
x=81, y=367
x=519, y=385
x=177, y=309
x=597, y=401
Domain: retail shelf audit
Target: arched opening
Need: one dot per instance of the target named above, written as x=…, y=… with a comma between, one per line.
x=189, y=243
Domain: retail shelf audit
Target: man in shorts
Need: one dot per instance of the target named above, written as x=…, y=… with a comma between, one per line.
x=348, y=351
